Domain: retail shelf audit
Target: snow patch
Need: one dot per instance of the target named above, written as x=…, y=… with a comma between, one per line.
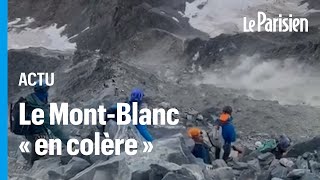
x=18, y=24
x=196, y=56
x=193, y=68
x=14, y=22
x=85, y=29
x=181, y=13
x=20, y=36
x=175, y=19
x=73, y=36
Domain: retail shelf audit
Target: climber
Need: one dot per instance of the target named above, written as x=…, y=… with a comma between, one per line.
x=283, y=144
x=200, y=150
x=135, y=96
x=37, y=99
x=228, y=132
x=277, y=146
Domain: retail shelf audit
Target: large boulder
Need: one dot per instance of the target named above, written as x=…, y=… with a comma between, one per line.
x=219, y=163
x=297, y=173
x=163, y=169
x=141, y=174
x=248, y=174
x=286, y=162
x=174, y=176
x=152, y=169
x=279, y=172
x=158, y=173
x=223, y=173
x=306, y=146
x=266, y=159
x=265, y=175
x=197, y=171
x=250, y=156
x=255, y=165
x=274, y=164
x=302, y=163
x=310, y=176
x=115, y=168
x=173, y=150
x=240, y=165
x=315, y=167
x=21, y=177
x=41, y=167
x=69, y=170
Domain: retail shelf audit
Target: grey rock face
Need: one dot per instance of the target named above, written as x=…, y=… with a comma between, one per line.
x=219, y=163
x=41, y=167
x=174, y=150
x=274, y=164
x=310, y=176
x=255, y=165
x=174, y=176
x=198, y=171
x=286, y=162
x=223, y=173
x=164, y=105
x=248, y=174
x=315, y=167
x=17, y=65
x=302, y=163
x=266, y=158
x=279, y=172
x=141, y=175
x=275, y=178
x=242, y=165
x=74, y=166
x=158, y=172
x=116, y=168
x=307, y=146
x=265, y=175
x=297, y=173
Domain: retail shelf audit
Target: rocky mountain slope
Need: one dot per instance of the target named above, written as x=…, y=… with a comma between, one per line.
x=118, y=45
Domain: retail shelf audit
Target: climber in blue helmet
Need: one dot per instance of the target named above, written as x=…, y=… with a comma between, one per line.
x=137, y=96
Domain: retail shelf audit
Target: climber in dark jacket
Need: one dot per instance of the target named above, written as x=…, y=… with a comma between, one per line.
x=228, y=131
x=39, y=99
x=283, y=144
x=200, y=149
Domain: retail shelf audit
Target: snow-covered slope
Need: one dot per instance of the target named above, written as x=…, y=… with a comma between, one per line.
x=21, y=36
x=220, y=16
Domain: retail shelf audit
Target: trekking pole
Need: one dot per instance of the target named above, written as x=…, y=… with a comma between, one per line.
x=210, y=140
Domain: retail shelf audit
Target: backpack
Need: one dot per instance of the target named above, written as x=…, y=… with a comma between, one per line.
x=15, y=126
x=268, y=146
